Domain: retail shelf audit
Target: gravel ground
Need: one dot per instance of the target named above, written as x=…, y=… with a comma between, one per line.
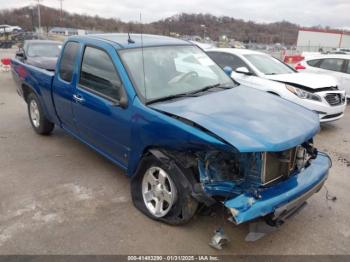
x=60, y=197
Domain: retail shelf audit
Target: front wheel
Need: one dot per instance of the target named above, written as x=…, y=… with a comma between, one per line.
x=162, y=192
x=37, y=118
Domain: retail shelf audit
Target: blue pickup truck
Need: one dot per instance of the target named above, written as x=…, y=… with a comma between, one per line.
x=180, y=127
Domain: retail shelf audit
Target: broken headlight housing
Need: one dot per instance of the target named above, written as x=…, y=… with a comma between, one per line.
x=302, y=93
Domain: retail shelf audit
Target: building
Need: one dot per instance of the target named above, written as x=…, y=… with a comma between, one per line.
x=63, y=31
x=315, y=39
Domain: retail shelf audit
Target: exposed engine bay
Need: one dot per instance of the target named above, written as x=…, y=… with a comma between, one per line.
x=249, y=171
x=222, y=175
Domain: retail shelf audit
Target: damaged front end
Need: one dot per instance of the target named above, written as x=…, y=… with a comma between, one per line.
x=263, y=184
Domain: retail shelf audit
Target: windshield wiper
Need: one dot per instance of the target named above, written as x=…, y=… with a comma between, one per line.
x=188, y=94
x=206, y=88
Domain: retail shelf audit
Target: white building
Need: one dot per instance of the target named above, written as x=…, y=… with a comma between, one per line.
x=314, y=39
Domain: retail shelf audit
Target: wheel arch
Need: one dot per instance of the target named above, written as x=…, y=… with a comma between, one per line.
x=189, y=178
x=26, y=90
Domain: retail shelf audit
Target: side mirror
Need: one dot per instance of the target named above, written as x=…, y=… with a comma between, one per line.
x=243, y=70
x=123, y=100
x=228, y=70
x=20, y=53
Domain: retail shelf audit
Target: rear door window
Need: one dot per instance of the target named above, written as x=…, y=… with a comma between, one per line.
x=227, y=60
x=348, y=67
x=98, y=74
x=68, y=59
x=333, y=64
x=314, y=62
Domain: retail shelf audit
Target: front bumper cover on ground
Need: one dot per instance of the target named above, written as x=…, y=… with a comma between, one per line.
x=283, y=196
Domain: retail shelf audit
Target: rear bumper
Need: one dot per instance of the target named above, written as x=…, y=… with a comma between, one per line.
x=282, y=197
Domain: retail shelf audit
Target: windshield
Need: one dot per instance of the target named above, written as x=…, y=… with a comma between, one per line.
x=268, y=65
x=44, y=50
x=172, y=70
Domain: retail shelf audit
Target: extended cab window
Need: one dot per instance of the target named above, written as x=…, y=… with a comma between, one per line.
x=98, y=73
x=333, y=64
x=68, y=59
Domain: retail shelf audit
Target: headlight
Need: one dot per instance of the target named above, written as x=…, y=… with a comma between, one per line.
x=302, y=93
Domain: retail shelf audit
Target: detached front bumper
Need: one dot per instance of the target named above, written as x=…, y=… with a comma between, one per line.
x=282, y=197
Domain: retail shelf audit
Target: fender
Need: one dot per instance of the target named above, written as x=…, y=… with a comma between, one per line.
x=187, y=177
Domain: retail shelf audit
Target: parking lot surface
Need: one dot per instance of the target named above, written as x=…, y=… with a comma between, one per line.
x=57, y=196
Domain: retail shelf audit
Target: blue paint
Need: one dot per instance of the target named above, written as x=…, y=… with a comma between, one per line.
x=248, y=119
x=138, y=40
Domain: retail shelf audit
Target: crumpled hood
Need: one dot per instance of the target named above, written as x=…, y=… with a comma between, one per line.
x=48, y=63
x=313, y=81
x=250, y=120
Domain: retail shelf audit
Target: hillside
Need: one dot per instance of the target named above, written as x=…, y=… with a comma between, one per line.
x=183, y=24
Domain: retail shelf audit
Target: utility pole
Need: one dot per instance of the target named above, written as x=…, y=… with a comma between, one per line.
x=61, y=11
x=204, y=27
x=31, y=8
x=39, y=15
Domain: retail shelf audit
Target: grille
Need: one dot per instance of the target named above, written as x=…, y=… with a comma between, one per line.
x=333, y=99
x=277, y=165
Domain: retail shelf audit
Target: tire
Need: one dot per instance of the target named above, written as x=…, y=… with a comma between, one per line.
x=37, y=118
x=181, y=208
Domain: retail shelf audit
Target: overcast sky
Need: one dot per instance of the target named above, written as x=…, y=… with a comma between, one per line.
x=335, y=13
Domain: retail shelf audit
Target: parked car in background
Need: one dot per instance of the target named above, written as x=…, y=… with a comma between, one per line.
x=40, y=53
x=336, y=65
x=318, y=93
x=184, y=131
x=9, y=29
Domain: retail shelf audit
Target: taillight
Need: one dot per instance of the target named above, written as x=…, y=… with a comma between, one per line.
x=299, y=67
x=293, y=59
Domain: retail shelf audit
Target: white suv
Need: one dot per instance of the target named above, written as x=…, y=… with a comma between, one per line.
x=336, y=65
x=261, y=71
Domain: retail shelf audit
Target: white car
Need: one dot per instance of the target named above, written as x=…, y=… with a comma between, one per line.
x=9, y=29
x=336, y=65
x=261, y=71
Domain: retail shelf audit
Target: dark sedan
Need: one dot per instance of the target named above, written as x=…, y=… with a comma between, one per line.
x=40, y=53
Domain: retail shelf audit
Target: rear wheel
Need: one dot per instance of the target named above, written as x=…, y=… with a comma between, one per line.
x=162, y=192
x=37, y=118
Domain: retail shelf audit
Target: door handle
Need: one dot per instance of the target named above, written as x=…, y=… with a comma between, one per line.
x=78, y=98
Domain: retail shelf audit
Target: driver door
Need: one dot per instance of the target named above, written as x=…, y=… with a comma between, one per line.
x=100, y=118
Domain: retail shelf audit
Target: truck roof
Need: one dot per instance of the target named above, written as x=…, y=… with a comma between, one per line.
x=147, y=40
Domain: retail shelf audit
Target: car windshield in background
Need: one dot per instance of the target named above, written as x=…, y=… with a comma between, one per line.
x=172, y=70
x=268, y=65
x=44, y=50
